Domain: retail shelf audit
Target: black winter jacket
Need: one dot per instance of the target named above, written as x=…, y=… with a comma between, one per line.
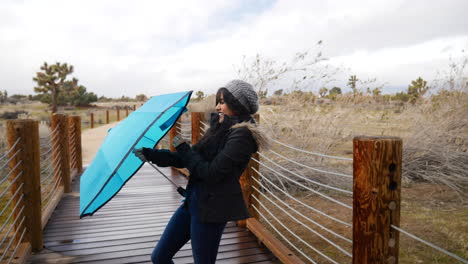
x=220, y=195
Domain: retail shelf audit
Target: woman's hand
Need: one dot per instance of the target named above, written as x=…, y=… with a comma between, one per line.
x=177, y=141
x=139, y=154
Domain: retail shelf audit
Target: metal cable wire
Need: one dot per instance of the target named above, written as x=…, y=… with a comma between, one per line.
x=305, y=187
x=54, y=161
x=9, y=173
x=185, y=123
x=11, y=199
x=9, y=159
x=429, y=244
x=11, y=183
x=47, y=152
x=50, y=178
x=53, y=191
x=297, y=212
x=11, y=213
x=203, y=123
x=309, y=152
x=10, y=150
x=54, y=135
x=17, y=246
x=304, y=225
x=291, y=232
x=294, y=234
x=186, y=130
x=304, y=204
x=311, y=168
x=55, y=130
x=47, y=168
x=46, y=178
x=48, y=183
x=282, y=236
x=306, y=179
x=202, y=129
x=11, y=240
x=11, y=226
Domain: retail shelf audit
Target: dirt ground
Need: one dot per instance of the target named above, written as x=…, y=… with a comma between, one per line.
x=91, y=140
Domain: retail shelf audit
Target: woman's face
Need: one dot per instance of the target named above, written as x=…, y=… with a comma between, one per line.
x=223, y=109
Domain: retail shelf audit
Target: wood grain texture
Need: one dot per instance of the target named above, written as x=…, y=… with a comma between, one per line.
x=62, y=149
x=74, y=126
x=29, y=155
x=376, y=199
x=285, y=255
x=197, y=117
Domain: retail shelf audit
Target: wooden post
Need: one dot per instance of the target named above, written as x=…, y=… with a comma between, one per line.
x=62, y=149
x=118, y=114
x=92, y=120
x=134, y=107
x=27, y=131
x=376, y=199
x=74, y=125
x=246, y=181
x=107, y=116
x=197, y=117
x=126, y=111
x=172, y=133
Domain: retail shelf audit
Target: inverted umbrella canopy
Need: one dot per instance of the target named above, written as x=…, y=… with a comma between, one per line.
x=114, y=163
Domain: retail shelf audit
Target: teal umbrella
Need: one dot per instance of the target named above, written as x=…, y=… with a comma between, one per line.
x=114, y=163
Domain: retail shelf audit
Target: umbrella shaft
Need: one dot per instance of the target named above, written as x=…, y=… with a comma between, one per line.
x=156, y=168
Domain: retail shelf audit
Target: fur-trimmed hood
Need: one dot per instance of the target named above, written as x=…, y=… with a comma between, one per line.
x=259, y=136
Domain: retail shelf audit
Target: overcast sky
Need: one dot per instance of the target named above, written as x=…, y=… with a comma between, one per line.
x=154, y=47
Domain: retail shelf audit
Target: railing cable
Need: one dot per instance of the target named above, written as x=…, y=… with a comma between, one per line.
x=8, y=161
x=304, y=225
x=17, y=246
x=311, y=168
x=297, y=212
x=11, y=183
x=11, y=199
x=293, y=233
x=304, y=204
x=282, y=236
x=309, y=152
x=304, y=178
x=10, y=150
x=429, y=244
x=11, y=240
x=305, y=187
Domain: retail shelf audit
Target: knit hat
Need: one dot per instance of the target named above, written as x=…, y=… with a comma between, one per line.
x=244, y=93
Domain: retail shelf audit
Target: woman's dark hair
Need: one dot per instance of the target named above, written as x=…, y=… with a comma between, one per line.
x=231, y=101
x=208, y=144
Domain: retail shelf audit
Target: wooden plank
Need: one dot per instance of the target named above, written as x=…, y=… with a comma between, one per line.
x=277, y=248
x=53, y=202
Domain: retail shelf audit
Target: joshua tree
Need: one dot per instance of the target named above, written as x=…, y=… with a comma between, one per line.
x=52, y=80
x=417, y=89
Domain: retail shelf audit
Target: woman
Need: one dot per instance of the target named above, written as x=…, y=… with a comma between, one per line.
x=215, y=163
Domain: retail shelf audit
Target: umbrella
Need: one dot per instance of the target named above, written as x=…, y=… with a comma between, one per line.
x=114, y=163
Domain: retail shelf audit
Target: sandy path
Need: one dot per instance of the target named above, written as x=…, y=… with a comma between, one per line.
x=91, y=140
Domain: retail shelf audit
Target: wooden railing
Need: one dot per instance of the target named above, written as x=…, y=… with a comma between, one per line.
x=377, y=163
x=376, y=201
x=106, y=116
x=33, y=165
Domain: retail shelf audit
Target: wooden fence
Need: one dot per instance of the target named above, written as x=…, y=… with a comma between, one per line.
x=376, y=188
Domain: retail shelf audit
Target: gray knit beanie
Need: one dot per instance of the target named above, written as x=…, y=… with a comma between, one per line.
x=244, y=93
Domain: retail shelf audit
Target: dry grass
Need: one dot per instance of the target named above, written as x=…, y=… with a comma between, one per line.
x=435, y=165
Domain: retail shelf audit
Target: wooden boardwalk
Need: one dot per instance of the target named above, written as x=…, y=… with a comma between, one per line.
x=128, y=227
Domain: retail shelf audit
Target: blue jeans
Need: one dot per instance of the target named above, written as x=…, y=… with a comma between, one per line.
x=183, y=226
